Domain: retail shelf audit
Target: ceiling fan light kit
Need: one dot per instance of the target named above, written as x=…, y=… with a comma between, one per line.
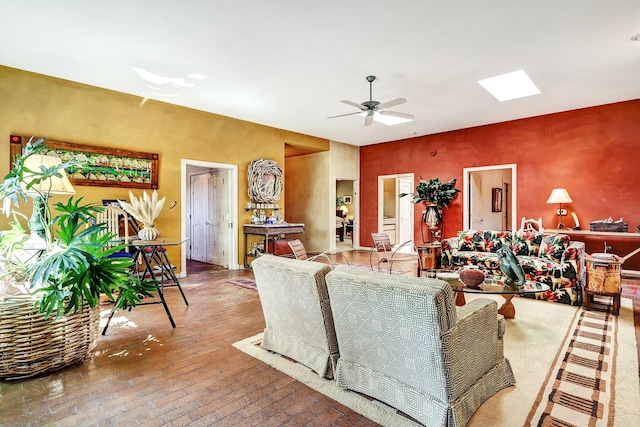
x=376, y=111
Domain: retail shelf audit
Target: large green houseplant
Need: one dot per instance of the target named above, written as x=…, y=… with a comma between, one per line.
x=74, y=264
x=51, y=279
x=436, y=196
x=434, y=191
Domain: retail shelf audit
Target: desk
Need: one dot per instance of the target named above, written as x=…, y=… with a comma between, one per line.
x=268, y=231
x=153, y=252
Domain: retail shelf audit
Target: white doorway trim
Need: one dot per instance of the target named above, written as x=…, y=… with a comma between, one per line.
x=381, y=179
x=466, y=176
x=232, y=244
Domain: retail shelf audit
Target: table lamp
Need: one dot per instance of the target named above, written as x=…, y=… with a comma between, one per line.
x=39, y=188
x=560, y=196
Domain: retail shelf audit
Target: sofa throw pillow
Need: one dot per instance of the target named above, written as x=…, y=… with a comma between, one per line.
x=494, y=240
x=526, y=242
x=553, y=245
x=471, y=241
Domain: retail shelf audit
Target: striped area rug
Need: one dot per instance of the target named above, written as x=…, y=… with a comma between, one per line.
x=247, y=283
x=573, y=368
x=579, y=390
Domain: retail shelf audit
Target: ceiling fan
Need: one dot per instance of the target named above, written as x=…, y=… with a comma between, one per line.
x=374, y=110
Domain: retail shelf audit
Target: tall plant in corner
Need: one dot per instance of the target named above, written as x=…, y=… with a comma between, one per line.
x=73, y=266
x=436, y=196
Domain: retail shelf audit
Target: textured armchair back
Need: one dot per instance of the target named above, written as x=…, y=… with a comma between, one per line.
x=403, y=341
x=392, y=323
x=297, y=311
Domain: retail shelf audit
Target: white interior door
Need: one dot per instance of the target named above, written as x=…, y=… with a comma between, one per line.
x=199, y=214
x=221, y=218
x=405, y=209
x=475, y=193
x=215, y=220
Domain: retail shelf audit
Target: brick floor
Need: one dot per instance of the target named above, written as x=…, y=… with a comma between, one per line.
x=143, y=372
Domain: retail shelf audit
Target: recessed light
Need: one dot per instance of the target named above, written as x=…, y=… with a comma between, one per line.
x=636, y=38
x=510, y=86
x=413, y=132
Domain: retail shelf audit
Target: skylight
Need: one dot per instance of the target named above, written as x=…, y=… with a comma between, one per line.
x=507, y=87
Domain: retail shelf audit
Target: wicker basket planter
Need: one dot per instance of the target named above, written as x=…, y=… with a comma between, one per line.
x=30, y=344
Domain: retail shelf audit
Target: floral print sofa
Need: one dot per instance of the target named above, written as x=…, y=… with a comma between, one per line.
x=548, y=258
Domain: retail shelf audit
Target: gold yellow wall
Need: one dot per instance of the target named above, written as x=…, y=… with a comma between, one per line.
x=306, y=182
x=33, y=104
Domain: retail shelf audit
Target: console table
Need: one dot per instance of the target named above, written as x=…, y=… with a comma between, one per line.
x=614, y=234
x=571, y=232
x=269, y=231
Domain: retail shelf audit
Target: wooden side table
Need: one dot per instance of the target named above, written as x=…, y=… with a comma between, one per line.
x=430, y=256
x=603, y=278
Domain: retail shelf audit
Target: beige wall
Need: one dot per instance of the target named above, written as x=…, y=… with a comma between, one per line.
x=33, y=104
x=309, y=199
x=345, y=165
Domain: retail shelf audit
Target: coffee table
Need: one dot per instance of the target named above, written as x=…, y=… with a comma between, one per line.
x=491, y=285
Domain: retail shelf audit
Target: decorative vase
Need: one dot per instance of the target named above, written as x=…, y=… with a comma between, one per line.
x=148, y=232
x=472, y=277
x=432, y=218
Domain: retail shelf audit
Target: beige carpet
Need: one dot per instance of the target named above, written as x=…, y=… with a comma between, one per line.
x=548, y=345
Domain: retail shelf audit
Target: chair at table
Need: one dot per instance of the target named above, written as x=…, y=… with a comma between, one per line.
x=531, y=224
x=299, y=252
x=111, y=216
x=385, y=253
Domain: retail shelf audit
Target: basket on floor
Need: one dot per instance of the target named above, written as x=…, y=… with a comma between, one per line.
x=31, y=344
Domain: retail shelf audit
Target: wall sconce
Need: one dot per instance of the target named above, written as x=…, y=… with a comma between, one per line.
x=560, y=196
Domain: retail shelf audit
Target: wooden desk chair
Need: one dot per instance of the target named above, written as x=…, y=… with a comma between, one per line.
x=531, y=224
x=385, y=252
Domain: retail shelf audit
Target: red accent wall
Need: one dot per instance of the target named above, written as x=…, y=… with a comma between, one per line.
x=593, y=152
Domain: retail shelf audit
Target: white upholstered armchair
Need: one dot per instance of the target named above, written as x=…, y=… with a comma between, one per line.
x=297, y=313
x=403, y=341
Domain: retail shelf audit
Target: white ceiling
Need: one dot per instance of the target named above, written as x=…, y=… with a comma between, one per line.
x=287, y=64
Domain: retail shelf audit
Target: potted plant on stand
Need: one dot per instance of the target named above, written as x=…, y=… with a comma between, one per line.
x=51, y=279
x=435, y=196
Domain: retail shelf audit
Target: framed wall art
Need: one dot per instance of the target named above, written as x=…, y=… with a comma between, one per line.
x=496, y=200
x=99, y=166
x=347, y=200
x=264, y=181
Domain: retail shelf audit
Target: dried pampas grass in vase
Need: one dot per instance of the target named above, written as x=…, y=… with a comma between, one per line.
x=145, y=209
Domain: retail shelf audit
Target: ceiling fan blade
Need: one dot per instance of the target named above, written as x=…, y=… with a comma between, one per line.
x=368, y=120
x=391, y=103
x=342, y=115
x=353, y=104
x=396, y=114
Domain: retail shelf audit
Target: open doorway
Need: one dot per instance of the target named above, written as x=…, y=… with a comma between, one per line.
x=210, y=213
x=395, y=215
x=490, y=197
x=346, y=229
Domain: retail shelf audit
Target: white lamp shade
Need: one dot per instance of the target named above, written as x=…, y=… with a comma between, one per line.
x=54, y=185
x=559, y=195
x=344, y=209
